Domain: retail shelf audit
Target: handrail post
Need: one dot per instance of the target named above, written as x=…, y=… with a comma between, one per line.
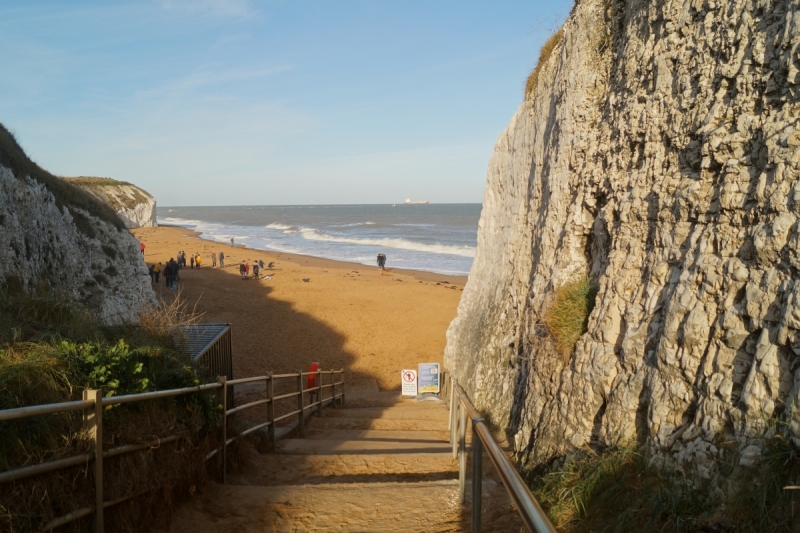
x=462, y=449
x=342, y=401
x=93, y=423
x=319, y=391
x=271, y=407
x=224, y=381
x=302, y=421
x=477, y=476
x=333, y=388
x=450, y=418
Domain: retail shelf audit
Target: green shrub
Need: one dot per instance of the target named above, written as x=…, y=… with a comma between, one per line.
x=568, y=315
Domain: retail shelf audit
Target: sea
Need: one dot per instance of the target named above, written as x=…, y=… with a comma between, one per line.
x=435, y=237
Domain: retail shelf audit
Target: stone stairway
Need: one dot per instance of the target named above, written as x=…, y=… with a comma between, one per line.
x=379, y=463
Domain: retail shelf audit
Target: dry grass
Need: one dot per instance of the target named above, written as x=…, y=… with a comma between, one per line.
x=567, y=316
x=544, y=55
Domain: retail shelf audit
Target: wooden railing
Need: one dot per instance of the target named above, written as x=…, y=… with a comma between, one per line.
x=533, y=516
x=92, y=406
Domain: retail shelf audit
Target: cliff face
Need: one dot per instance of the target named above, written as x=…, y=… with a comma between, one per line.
x=136, y=207
x=58, y=240
x=658, y=153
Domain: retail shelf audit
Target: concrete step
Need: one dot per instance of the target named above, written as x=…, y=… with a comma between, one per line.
x=424, y=506
x=389, y=412
x=363, y=447
x=381, y=423
x=277, y=469
x=377, y=435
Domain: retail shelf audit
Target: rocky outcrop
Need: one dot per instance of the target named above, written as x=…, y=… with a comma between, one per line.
x=658, y=153
x=136, y=207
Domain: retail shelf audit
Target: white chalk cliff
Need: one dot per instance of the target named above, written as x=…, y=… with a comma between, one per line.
x=135, y=206
x=58, y=241
x=658, y=153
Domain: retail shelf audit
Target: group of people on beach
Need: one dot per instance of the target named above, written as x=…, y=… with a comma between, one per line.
x=244, y=268
x=171, y=272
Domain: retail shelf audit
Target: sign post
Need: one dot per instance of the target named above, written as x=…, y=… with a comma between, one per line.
x=408, y=379
x=429, y=378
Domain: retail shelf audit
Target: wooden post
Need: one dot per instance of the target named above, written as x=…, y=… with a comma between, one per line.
x=93, y=423
x=300, y=402
x=462, y=449
x=319, y=391
x=271, y=407
x=342, y=401
x=224, y=381
x=333, y=389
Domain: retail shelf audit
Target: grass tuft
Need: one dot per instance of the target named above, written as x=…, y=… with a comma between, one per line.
x=568, y=314
x=617, y=491
x=544, y=55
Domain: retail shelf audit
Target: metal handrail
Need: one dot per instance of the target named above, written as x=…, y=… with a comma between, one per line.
x=532, y=514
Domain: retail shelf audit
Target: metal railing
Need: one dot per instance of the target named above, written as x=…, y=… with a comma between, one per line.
x=92, y=406
x=461, y=410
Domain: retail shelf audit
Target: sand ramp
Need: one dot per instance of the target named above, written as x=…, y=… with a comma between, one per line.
x=383, y=463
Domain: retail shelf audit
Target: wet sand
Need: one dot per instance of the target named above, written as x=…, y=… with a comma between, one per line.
x=345, y=316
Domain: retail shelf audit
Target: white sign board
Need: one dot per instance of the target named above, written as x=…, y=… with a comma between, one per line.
x=408, y=378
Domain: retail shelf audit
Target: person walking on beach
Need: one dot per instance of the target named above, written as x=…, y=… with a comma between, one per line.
x=169, y=274
x=381, y=261
x=255, y=271
x=191, y=261
x=231, y=242
x=247, y=270
x=157, y=271
x=197, y=261
x=141, y=246
x=213, y=258
x=151, y=272
x=221, y=259
x=242, y=270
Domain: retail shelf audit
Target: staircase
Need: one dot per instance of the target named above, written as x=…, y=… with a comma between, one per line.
x=379, y=463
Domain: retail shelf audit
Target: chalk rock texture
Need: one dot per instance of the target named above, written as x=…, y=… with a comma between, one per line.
x=658, y=153
x=45, y=250
x=135, y=206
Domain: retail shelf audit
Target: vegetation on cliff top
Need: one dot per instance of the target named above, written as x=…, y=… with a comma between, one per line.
x=544, y=55
x=128, y=198
x=66, y=194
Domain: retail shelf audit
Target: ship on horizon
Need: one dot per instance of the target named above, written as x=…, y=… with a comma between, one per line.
x=408, y=201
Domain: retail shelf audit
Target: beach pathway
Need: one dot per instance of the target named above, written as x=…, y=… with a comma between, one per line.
x=379, y=463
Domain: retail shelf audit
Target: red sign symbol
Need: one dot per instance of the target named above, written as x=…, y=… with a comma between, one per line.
x=409, y=376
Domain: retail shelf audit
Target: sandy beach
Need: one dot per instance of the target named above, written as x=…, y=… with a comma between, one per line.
x=345, y=315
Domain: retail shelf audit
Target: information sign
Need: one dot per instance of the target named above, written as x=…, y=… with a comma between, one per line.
x=428, y=378
x=408, y=378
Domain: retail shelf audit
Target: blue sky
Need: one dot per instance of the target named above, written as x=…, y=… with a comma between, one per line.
x=237, y=102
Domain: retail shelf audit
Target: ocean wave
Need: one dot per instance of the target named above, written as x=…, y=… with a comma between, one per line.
x=401, y=244
x=279, y=226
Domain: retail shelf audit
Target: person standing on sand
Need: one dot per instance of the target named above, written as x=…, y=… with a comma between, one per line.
x=381, y=261
x=168, y=274
x=141, y=246
x=247, y=270
x=213, y=258
x=231, y=242
x=191, y=261
x=255, y=270
x=157, y=271
x=151, y=272
x=242, y=271
x=221, y=259
x=197, y=261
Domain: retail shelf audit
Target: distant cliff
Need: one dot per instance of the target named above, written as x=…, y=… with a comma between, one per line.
x=135, y=206
x=656, y=152
x=58, y=240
